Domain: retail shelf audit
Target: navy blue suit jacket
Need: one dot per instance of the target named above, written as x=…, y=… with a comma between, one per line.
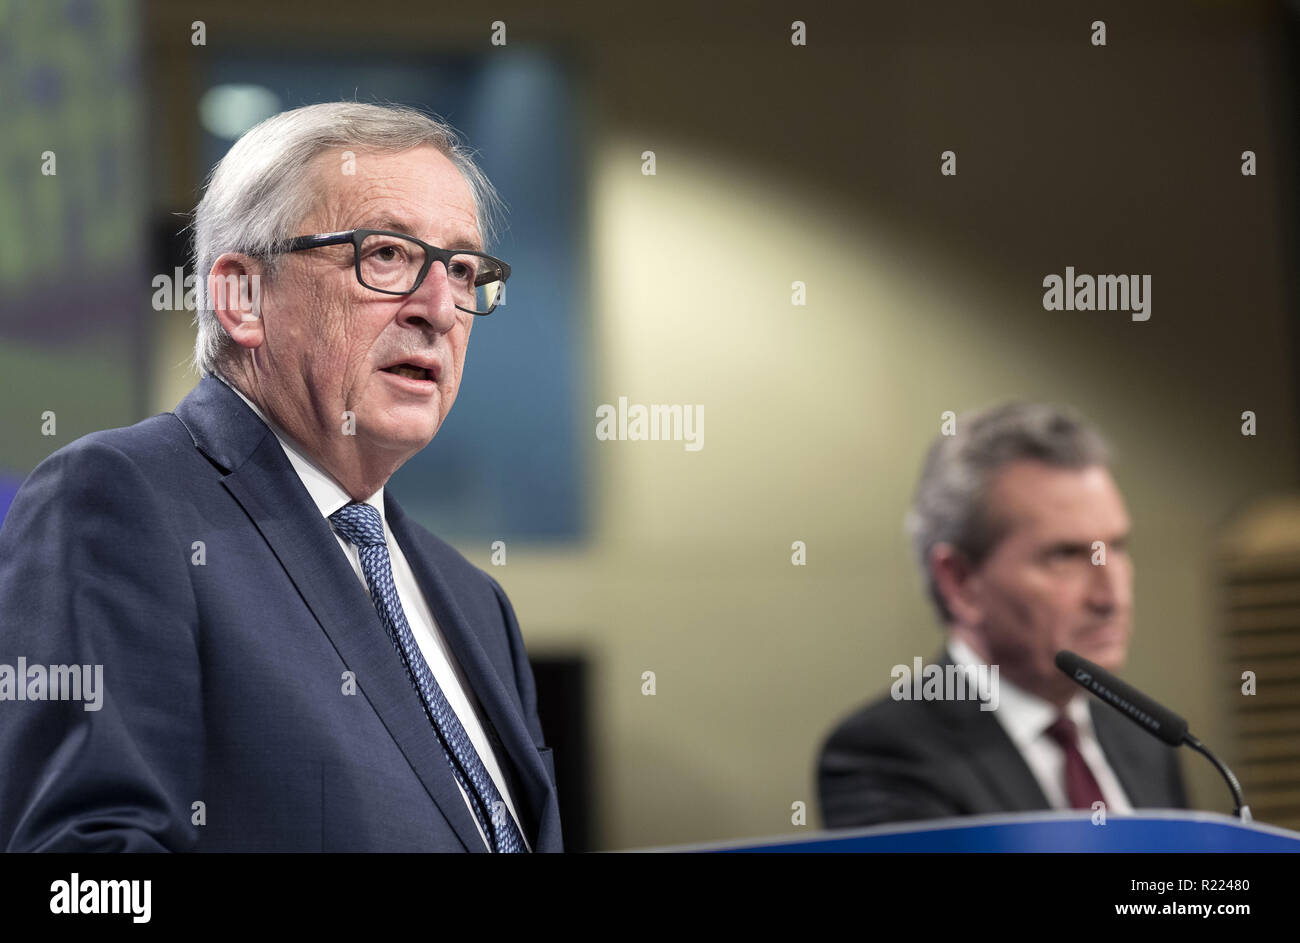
x=225, y=682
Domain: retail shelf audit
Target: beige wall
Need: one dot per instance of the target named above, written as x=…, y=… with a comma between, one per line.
x=924, y=295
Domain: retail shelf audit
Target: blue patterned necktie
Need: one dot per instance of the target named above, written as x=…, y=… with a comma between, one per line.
x=360, y=524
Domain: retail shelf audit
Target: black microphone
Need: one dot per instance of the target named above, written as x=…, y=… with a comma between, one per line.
x=1132, y=703
x=1155, y=719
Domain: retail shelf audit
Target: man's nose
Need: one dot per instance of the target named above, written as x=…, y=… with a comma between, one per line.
x=431, y=306
x=1107, y=588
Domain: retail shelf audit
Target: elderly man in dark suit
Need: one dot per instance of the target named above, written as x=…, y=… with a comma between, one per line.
x=289, y=662
x=1022, y=536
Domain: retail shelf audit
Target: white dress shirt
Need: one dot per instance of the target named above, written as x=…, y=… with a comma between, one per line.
x=1025, y=717
x=329, y=497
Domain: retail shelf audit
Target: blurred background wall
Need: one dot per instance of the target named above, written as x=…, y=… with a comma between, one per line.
x=821, y=164
x=74, y=252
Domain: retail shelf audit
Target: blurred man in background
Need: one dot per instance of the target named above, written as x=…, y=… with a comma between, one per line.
x=1021, y=534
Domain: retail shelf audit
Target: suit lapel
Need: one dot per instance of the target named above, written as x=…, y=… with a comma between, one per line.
x=1006, y=771
x=979, y=736
x=264, y=483
x=534, y=805
x=1119, y=742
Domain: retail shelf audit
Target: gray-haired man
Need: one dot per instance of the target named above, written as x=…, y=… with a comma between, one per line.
x=1021, y=534
x=291, y=663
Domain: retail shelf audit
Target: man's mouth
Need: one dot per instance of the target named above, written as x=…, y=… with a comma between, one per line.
x=409, y=371
x=1102, y=633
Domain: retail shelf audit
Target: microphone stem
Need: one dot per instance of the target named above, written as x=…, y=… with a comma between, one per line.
x=1242, y=811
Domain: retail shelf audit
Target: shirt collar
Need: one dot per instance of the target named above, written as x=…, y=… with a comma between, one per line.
x=327, y=493
x=1025, y=716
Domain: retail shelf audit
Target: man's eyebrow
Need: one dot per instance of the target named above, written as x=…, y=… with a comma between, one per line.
x=387, y=222
x=1068, y=546
x=468, y=242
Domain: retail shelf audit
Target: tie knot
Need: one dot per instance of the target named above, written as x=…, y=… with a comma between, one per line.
x=1063, y=731
x=359, y=523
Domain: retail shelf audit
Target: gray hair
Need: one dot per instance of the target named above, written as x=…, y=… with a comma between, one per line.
x=950, y=505
x=261, y=190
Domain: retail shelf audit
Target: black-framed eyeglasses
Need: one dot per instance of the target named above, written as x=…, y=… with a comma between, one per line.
x=396, y=264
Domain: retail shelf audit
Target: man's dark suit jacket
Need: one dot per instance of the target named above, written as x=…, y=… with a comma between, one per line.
x=903, y=761
x=225, y=681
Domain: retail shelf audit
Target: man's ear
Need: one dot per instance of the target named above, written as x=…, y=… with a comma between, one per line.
x=954, y=577
x=235, y=294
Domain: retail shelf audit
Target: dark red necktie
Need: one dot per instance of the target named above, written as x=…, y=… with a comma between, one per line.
x=1080, y=786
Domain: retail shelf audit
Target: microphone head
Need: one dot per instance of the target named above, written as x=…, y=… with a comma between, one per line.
x=1154, y=718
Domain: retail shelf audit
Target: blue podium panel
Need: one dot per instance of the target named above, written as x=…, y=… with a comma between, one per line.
x=1151, y=831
